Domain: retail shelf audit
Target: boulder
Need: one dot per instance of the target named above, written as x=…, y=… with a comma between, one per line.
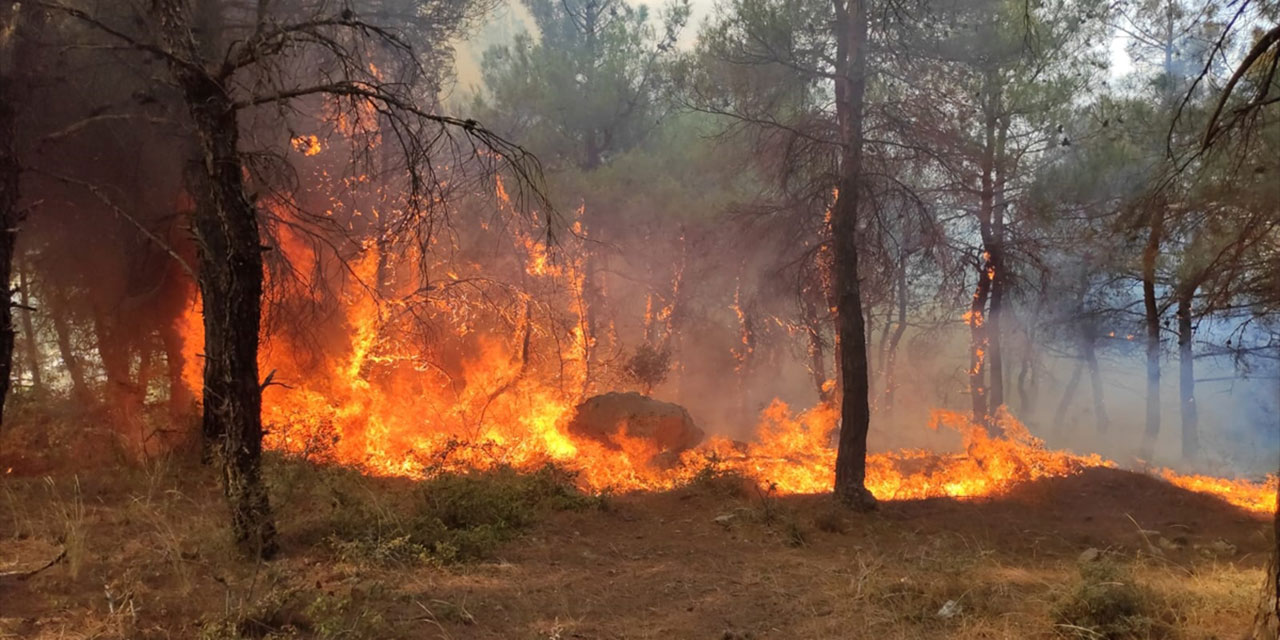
x=668, y=426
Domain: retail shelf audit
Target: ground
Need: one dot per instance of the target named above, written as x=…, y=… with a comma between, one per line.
x=147, y=557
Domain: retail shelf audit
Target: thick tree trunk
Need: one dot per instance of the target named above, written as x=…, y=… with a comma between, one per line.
x=1149, y=255
x=225, y=228
x=1266, y=625
x=855, y=409
x=1187, y=378
x=977, y=321
x=230, y=260
x=10, y=216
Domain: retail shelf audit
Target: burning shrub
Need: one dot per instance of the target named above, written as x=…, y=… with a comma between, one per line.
x=1107, y=603
x=458, y=517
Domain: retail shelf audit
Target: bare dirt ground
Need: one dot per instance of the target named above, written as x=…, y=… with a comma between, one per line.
x=147, y=557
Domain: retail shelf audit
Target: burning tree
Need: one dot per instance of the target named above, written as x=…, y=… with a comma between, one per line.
x=772, y=81
x=229, y=64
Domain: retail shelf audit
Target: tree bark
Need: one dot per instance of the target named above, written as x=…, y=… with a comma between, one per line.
x=855, y=409
x=1149, y=255
x=1187, y=377
x=228, y=242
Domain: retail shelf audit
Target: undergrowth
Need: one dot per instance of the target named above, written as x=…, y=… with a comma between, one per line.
x=1107, y=603
x=451, y=517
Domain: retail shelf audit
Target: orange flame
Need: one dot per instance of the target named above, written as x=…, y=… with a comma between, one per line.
x=374, y=398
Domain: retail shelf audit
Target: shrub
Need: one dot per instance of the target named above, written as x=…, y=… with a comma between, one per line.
x=649, y=366
x=456, y=517
x=1107, y=603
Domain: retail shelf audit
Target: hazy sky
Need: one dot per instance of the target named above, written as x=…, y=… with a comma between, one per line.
x=512, y=18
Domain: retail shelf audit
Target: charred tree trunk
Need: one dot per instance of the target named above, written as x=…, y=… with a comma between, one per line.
x=978, y=347
x=979, y=322
x=855, y=409
x=228, y=242
x=1149, y=255
x=10, y=216
x=1187, y=377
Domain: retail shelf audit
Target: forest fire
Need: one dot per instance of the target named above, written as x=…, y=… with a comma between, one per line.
x=384, y=407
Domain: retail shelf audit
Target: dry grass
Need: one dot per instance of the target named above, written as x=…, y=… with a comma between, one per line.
x=147, y=557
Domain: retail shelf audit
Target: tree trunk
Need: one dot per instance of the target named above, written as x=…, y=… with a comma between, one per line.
x=817, y=352
x=114, y=349
x=1101, y=420
x=1149, y=255
x=980, y=356
x=225, y=228
x=855, y=409
x=995, y=381
x=180, y=400
x=978, y=347
x=62, y=329
x=1266, y=625
x=29, y=332
x=10, y=217
x=1187, y=378
x=891, y=359
x=1026, y=401
x=1068, y=394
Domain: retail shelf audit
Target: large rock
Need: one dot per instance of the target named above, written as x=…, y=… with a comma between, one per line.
x=668, y=426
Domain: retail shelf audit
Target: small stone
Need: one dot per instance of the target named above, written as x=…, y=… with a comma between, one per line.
x=1089, y=555
x=950, y=609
